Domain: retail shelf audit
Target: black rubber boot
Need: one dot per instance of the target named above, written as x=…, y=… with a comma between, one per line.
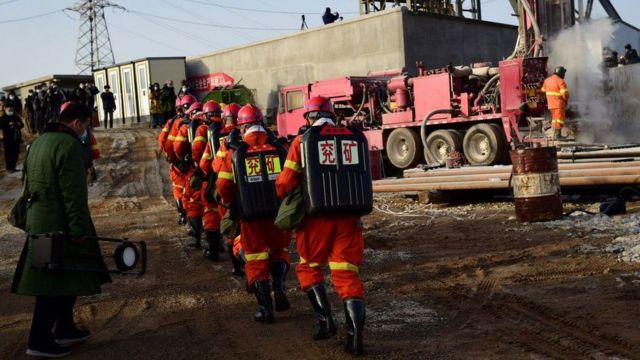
x=238, y=264
x=320, y=302
x=354, y=312
x=278, y=271
x=182, y=216
x=196, y=225
x=264, y=312
x=213, y=242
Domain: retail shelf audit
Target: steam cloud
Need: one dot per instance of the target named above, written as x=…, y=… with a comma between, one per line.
x=605, y=101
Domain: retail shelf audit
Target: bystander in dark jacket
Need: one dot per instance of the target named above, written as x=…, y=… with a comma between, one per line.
x=11, y=125
x=14, y=101
x=168, y=100
x=108, y=106
x=55, y=98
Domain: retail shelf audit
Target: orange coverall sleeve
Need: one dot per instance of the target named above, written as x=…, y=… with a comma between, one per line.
x=220, y=156
x=225, y=183
x=95, y=150
x=291, y=176
x=168, y=144
x=205, y=160
x=181, y=142
x=199, y=143
x=164, y=134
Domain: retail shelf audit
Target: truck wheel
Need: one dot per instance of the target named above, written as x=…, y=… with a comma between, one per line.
x=483, y=145
x=504, y=157
x=439, y=143
x=404, y=148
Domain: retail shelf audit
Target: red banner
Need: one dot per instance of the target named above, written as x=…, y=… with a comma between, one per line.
x=211, y=81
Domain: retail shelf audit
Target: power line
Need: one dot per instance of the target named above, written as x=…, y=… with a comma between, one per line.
x=222, y=26
x=240, y=15
x=31, y=17
x=147, y=38
x=262, y=11
x=8, y=2
x=198, y=16
x=180, y=32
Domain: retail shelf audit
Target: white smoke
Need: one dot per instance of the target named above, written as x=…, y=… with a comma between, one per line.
x=579, y=49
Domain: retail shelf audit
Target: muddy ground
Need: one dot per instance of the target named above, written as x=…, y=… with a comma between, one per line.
x=443, y=282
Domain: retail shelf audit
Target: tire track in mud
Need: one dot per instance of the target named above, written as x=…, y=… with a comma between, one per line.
x=540, y=328
x=557, y=274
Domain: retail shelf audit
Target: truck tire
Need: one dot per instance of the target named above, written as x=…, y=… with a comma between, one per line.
x=404, y=148
x=439, y=143
x=483, y=144
x=504, y=157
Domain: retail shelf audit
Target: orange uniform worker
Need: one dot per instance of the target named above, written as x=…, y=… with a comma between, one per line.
x=250, y=168
x=192, y=197
x=211, y=216
x=213, y=153
x=557, y=98
x=93, y=143
x=230, y=116
x=332, y=237
x=166, y=138
x=164, y=133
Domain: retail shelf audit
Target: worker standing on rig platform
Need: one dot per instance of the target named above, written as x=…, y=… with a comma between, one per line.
x=251, y=168
x=557, y=98
x=334, y=235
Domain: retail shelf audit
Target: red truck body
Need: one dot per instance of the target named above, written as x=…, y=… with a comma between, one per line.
x=458, y=113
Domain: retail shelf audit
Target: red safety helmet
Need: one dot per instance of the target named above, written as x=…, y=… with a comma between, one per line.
x=178, y=102
x=318, y=103
x=231, y=110
x=187, y=100
x=211, y=106
x=194, y=106
x=64, y=105
x=249, y=114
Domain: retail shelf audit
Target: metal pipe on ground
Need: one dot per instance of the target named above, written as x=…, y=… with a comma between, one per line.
x=479, y=185
x=590, y=160
x=600, y=154
x=507, y=169
x=506, y=175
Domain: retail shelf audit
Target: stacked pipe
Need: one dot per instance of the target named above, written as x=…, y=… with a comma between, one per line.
x=497, y=177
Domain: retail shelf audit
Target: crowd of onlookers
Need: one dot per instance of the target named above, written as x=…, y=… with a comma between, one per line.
x=162, y=101
x=42, y=105
x=612, y=58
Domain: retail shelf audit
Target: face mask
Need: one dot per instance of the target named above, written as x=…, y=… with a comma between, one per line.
x=184, y=89
x=84, y=134
x=156, y=87
x=12, y=97
x=9, y=113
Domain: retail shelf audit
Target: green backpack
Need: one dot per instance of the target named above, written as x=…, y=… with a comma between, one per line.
x=292, y=210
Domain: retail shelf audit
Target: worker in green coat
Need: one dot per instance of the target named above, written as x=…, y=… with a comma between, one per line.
x=55, y=176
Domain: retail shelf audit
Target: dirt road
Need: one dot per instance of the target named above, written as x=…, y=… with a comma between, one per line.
x=462, y=282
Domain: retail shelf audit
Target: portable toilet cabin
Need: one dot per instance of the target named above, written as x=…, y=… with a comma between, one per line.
x=130, y=83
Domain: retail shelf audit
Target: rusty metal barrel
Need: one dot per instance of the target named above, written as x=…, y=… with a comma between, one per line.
x=536, y=184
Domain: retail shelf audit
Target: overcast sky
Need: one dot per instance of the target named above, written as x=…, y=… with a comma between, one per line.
x=45, y=42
